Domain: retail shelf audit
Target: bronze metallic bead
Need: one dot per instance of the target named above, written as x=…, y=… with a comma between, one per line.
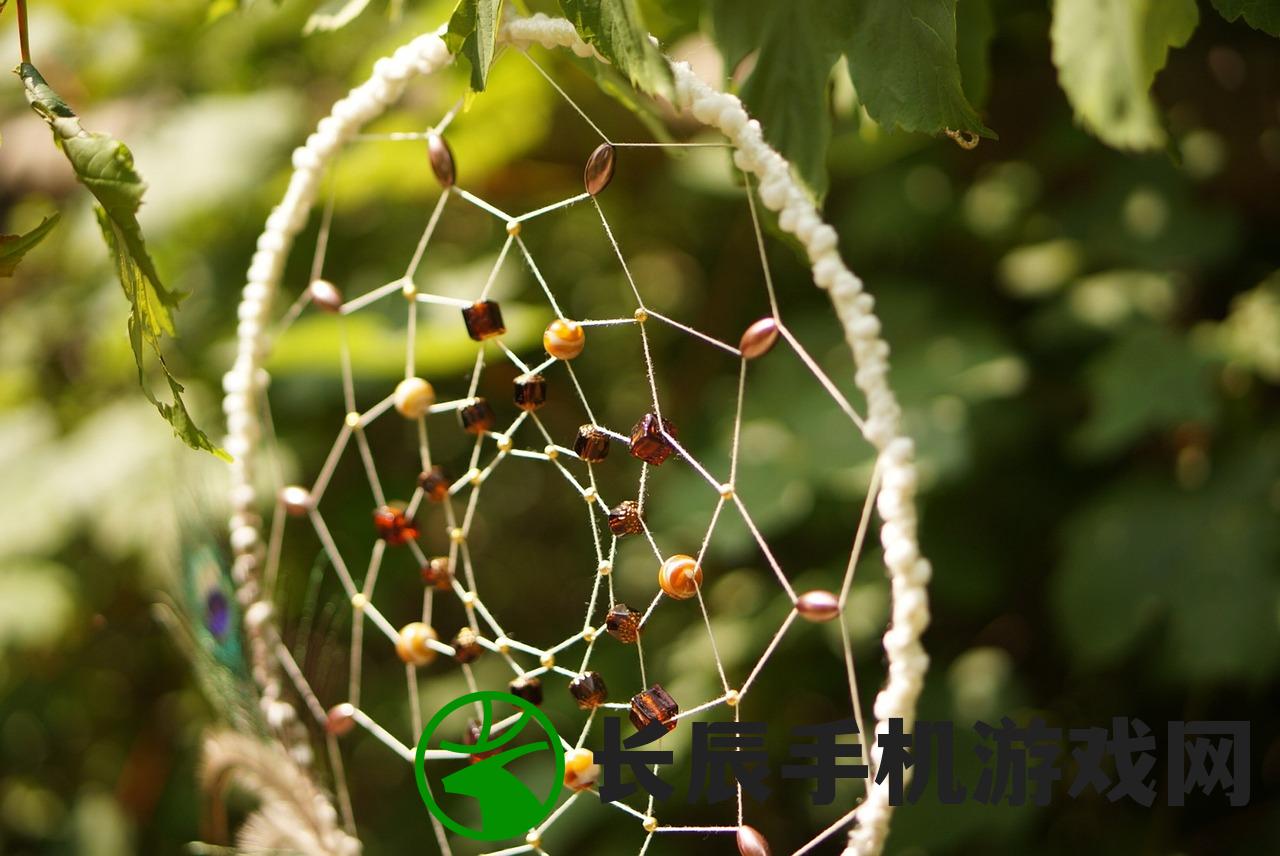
x=751, y=842
x=623, y=623
x=818, y=605
x=625, y=519
x=759, y=338
x=325, y=295
x=441, y=157
x=599, y=169
x=340, y=719
x=589, y=690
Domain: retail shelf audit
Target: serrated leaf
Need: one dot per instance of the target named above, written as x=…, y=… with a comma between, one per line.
x=738, y=27
x=14, y=247
x=473, y=34
x=334, y=15
x=975, y=27
x=903, y=61
x=1260, y=14
x=616, y=29
x=1108, y=53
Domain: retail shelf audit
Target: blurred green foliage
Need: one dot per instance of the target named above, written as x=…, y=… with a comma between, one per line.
x=1086, y=343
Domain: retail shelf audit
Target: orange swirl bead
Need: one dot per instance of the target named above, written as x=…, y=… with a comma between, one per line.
x=680, y=577
x=564, y=339
x=413, y=644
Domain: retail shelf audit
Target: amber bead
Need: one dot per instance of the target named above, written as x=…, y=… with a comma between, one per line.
x=680, y=577
x=591, y=445
x=413, y=397
x=393, y=525
x=340, y=719
x=759, y=338
x=751, y=842
x=599, y=170
x=434, y=483
x=623, y=623
x=412, y=644
x=484, y=320
x=580, y=769
x=466, y=646
x=588, y=690
x=625, y=519
x=526, y=687
x=564, y=339
x=818, y=605
x=653, y=705
x=437, y=572
x=651, y=439
x=297, y=500
x=477, y=417
x=530, y=391
x=441, y=157
x=325, y=295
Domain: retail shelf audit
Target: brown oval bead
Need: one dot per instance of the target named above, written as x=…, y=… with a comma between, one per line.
x=599, y=170
x=325, y=295
x=818, y=605
x=751, y=842
x=340, y=719
x=441, y=157
x=296, y=500
x=758, y=339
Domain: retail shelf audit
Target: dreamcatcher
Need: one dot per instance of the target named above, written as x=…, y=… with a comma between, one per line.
x=297, y=809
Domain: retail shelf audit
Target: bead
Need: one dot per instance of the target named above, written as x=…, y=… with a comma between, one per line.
x=526, y=687
x=466, y=646
x=580, y=769
x=818, y=605
x=340, y=719
x=589, y=690
x=393, y=525
x=471, y=737
x=653, y=705
x=751, y=842
x=680, y=577
x=412, y=644
x=623, y=623
x=436, y=572
x=477, y=417
x=625, y=519
x=759, y=338
x=484, y=320
x=599, y=170
x=325, y=295
x=434, y=483
x=513, y=228
x=441, y=158
x=591, y=445
x=651, y=439
x=530, y=392
x=297, y=500
x=649, y=824
x=564, y=339
x=413, y=397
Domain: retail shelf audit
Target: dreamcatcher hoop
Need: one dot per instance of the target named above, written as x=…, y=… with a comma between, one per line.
x=246, y=383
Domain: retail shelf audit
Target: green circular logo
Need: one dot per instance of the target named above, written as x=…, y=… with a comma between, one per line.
x=508, y=806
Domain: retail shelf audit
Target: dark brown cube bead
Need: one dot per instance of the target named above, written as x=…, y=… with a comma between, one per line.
x=591, y=445
x=530, y=392
x=466, y=647
x=434, y=483
x=527, y=688
x=650, y=439
x=437, y=572
x=484, y=320
x=588, y=690
x=477, y=417
x=625, y=519
x=653, y=705
x=623, y=623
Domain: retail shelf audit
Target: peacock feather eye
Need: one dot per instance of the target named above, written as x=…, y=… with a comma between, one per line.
x=217, y=614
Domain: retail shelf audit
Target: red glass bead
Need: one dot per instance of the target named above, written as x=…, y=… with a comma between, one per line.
x=530, y=392
x=466, y=647
x=653, y=705
x=434, y=483
x=588, y=690
x=623, y=623
x=625, y=519
x=484, y=320
x=526, y=687
x=651, y=439
x=477, y=417
x=592, y=444
x=393, y=525
x=437, y=573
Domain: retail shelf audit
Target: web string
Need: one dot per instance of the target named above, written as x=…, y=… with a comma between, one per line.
x=484, y=460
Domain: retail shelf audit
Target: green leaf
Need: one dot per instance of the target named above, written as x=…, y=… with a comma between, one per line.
x=903, y=61
x=616, y=29
x=739, y=27
x=1108, y=53
x=975, y=27
x=473, y=34
x=1260, y=14
x=105, y=166
x=14, y=247
x=334, y=15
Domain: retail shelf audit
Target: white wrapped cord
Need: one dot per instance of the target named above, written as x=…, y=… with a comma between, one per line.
x=909, y=572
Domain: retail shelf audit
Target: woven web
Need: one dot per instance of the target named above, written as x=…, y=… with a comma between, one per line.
x=528, y=438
